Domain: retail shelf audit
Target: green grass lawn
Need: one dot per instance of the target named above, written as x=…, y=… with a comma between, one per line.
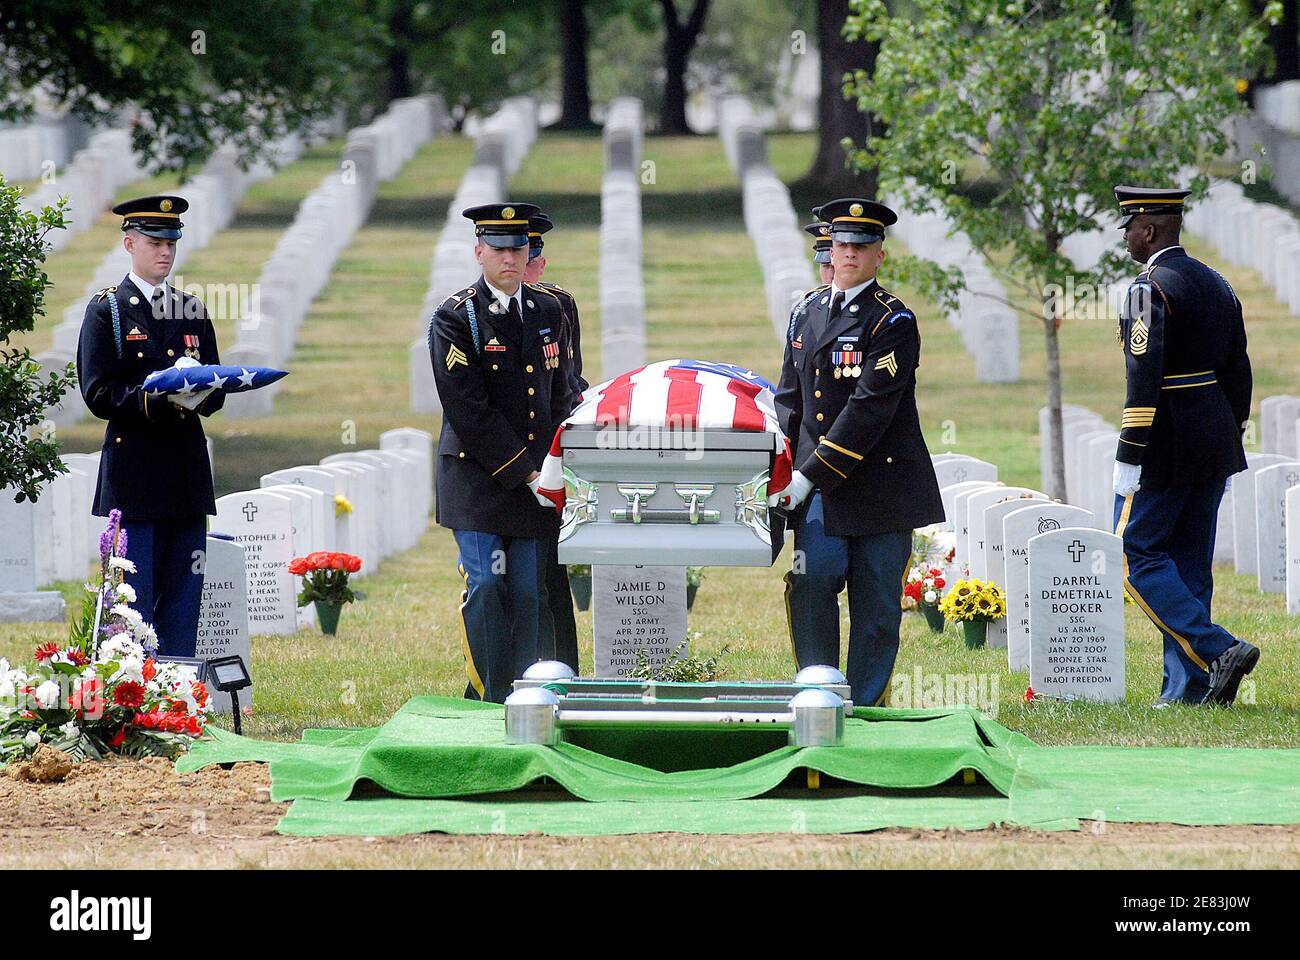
x=704, y=298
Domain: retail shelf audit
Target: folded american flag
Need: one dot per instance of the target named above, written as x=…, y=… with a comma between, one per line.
x=676, y=395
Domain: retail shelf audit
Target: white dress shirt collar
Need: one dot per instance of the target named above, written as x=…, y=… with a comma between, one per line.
x=505, y=298
x=146, y=287
x=1156, y=256
x=851, y=294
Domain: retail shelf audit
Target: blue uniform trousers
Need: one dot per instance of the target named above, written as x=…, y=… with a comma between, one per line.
x=506, y=626
x=873, y=567
x=1169, y=552
x=168, y=582
x=559, y=600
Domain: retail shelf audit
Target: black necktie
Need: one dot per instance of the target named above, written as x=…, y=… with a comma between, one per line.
x=514, y=310
x=837, y=304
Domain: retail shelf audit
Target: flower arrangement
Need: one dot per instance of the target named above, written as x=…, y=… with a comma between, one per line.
x=102, y=692
x=678, y=669
x=325, y=583
x=974, y=599
x=924, y=586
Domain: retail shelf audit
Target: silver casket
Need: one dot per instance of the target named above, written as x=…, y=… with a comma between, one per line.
x=693, y=497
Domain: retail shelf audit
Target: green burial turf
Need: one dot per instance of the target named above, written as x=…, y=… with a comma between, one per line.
x=929, y=769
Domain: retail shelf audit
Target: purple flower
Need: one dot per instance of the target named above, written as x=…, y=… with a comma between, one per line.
x=113, y=629
x=108, y=538
x=121, y=542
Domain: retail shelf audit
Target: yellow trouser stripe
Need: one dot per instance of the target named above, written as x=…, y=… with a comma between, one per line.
x=789, y=619
x=1138, y=599
x=475, y=680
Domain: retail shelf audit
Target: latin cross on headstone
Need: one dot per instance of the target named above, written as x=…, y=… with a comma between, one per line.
x=250, y=511
x=1076, y=551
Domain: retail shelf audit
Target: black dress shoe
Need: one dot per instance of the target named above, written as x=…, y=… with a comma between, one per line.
x=1226, y=672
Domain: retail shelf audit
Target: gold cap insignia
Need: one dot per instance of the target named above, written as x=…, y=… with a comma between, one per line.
x=507, y=213
x=855, y=210
x=825, y=231
x=165, y=206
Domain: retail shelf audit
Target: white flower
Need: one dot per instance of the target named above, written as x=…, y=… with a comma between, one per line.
x=121, y=563
x=70, y=729
x=913, y=576
x=32, y=739
x=129, y=668
x=132, y=617
x=931, y=596
x=47, y=695
x=126, y=592
x=120, y=647
x=147, y=636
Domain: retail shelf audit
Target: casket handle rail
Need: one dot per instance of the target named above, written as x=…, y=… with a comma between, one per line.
x=638, y=494
x=751, y=506
x=581, y=502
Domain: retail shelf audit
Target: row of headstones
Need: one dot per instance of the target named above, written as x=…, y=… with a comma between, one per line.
x=56, y=538
x=771, y=221
x=1062, y=576
x=988, y=326
x=213, y=194
x=1254, y=531
x=1262, y=236
x=503, y=140
x=296, y=511
x=1279, y=105
x=323, y=227
x=622, y=286
x=90, y=181
x=26, y=149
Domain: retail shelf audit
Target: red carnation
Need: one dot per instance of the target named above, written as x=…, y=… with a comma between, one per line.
x=1029, y=694
x=129, y=694
x=88, y=698
x=45, y=651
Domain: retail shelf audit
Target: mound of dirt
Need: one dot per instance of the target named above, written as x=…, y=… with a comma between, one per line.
x=46, y=765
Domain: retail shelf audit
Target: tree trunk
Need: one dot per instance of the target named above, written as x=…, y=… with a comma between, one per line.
x=575, y=105
x=1284, y=41
x=679, y=41
x=837, y=117
x=1053, y=344
x=399, y=53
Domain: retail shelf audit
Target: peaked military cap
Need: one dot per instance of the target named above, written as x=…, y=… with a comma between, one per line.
x=821, y=234
x=855, y=220
x=538, y=224
x=158, y=217
x=502, y=224
x=1152, y=201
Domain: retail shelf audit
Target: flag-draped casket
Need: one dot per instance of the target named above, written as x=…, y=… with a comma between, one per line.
x=671, y=463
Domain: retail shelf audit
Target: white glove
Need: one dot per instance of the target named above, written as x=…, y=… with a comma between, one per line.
x=794, y=494
x=190, y=400
x=1128, y=478
x=535, y=485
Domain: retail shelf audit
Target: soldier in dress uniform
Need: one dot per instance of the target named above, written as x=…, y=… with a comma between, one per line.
x=1188, y=398
x=820, y=231
x=864, y=479
x=495, y=348
x=154, y=467
x=559, y=597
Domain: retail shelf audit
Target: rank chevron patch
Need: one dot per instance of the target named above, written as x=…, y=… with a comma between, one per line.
x=887, y=362
x=454, y=356
x=1138, y=338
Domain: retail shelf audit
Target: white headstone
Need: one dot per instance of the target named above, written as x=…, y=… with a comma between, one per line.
x=318, y=479
x=1017, y=528
x=374, y=487
x=18, y=545
x=1223, y=530
x=1244, y=546
x=1293, y=550
x=1076, y=615
x=1271, y=485
x=637, y=608
x=995, y=569
x=366, y=517
x=949, y=493
x=353, y=528
x=1270, y=426
x=959, y=469
x=976, y=504
x=961, y=521
x=1069, y=412
x=223, y=614
x=263, y=523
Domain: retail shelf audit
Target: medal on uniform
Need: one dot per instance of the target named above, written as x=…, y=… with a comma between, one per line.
x=191, y=346
x=837, y=359
x=495, y=307
x=851, y=363
x=551, y=350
